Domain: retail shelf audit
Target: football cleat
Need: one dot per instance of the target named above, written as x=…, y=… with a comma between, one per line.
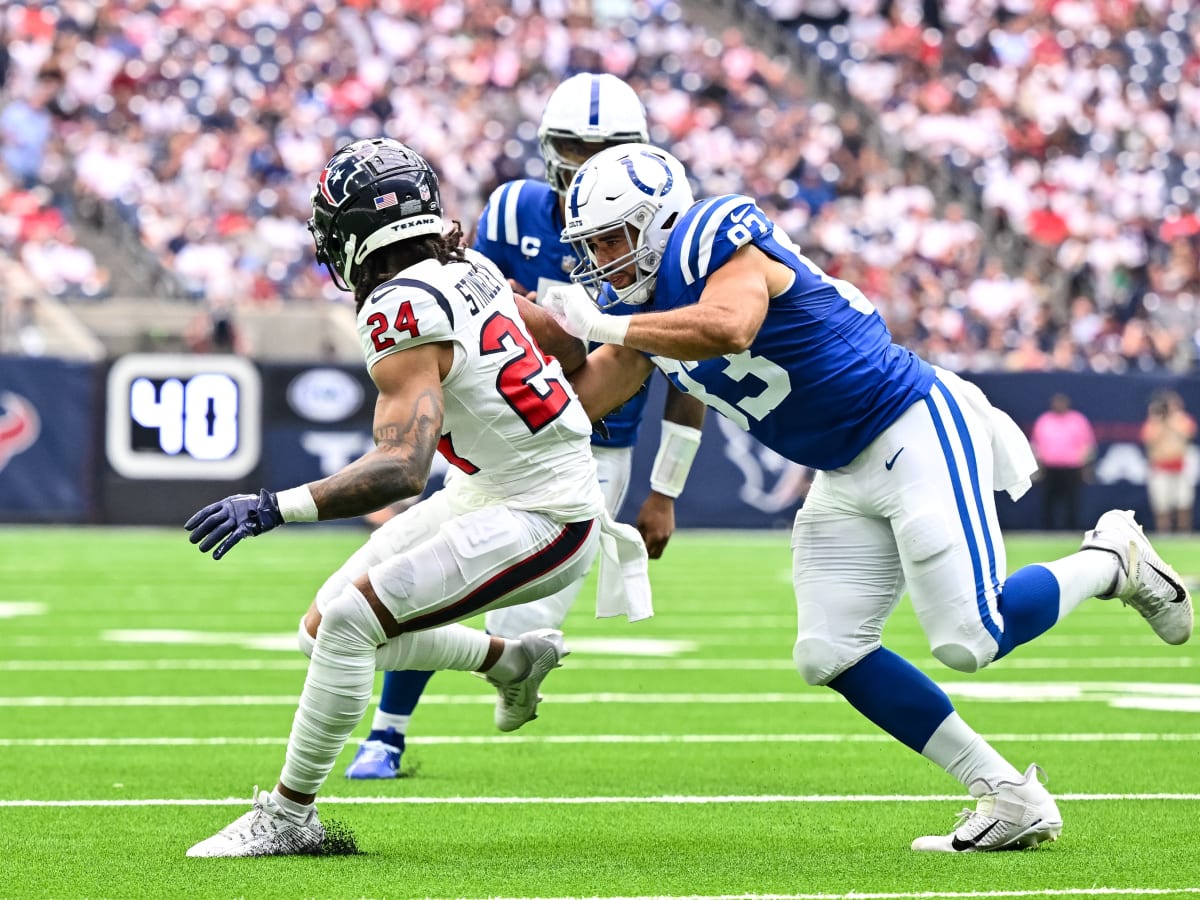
x=264, y=831
x=518, y=700
x=1143, y=580
x=1015, y=815
x=377, y=759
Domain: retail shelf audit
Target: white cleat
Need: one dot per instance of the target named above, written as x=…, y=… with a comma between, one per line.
x=264, y=831
x=1143, y=580
x=518, y=700
x=1012, y=816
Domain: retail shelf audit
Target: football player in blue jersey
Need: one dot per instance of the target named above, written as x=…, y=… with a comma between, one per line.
x=519, y=231
x=908, y=458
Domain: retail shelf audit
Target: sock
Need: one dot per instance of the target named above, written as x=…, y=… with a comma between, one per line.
x=896, y=696
x=389, y=728
x=1037, y=597
x=401, y=692
x=1030, y=604
x=336, y=691
x=1083, y=575
x=512, y=665
x=293, y=811
x=448, y=647
x=956, y=747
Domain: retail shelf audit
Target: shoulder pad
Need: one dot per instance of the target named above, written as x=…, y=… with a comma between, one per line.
x=713, y=230
x=498, y=222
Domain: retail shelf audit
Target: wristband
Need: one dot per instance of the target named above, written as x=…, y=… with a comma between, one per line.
x=297, y=504
x=676, y=450
x=607, y=329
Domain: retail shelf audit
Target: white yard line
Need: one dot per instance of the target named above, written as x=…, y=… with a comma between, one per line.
x=452, y=740
x=1177, y=696
x=915, y=895
x=577, y=662
x=660, y=800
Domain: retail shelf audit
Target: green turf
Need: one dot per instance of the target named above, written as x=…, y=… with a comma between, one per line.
x=725, y=598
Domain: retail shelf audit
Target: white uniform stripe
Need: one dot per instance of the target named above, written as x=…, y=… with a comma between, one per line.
x=511, y=233
x=685, y=252
x=710, y=232
x=493, y=213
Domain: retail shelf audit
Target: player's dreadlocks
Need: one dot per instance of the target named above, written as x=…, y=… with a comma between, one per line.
x=385, y=262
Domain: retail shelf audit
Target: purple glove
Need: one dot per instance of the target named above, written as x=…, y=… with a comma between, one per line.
x=228, y=521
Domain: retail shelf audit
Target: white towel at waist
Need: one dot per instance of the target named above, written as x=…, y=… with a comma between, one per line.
x=1013, y=462
x=624, y=581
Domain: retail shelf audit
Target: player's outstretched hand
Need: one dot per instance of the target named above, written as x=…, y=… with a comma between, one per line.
x=572, y=309
x=224, y=523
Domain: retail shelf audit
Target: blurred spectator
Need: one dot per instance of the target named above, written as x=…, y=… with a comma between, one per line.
x=25, y=128
x=202, y=123
x=1065, y=444
x=1167, y=435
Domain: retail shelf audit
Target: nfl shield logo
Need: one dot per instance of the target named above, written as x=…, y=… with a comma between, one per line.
x=568, y=263
x=423, y=190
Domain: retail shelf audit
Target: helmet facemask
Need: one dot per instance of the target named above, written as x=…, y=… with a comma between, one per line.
x=593, y=275
x=586, y=114
x=637, y=192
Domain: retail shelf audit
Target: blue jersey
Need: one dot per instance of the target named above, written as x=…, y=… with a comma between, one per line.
x=520, y=231
x=822, y=378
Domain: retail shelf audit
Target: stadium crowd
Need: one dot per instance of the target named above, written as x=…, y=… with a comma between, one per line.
x=202, y=122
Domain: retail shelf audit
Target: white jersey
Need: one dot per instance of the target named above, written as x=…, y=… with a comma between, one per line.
x=512, y=420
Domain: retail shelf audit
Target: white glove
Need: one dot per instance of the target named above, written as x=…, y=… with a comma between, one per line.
x=572, y=309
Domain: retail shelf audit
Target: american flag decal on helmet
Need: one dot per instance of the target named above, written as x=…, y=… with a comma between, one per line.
x=385, y=200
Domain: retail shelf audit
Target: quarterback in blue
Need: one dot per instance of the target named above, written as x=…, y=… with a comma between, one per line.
x=519, y=231
x=909, y=458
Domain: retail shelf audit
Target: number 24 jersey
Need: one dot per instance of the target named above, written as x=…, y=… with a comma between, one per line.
x=511, y=419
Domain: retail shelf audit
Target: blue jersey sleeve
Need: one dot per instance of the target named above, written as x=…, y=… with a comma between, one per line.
x=713, y=231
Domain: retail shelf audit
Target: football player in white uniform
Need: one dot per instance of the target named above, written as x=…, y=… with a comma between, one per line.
x=519, y=231
x=908, y=459
x=458, y=374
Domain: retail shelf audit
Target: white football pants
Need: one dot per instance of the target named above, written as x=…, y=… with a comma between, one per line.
x=431, y=564
x=916, y=507
x=613, y=467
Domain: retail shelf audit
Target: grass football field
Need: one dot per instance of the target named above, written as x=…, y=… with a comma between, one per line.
x=145, y=690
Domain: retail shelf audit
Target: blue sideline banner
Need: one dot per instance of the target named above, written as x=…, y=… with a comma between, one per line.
x=316, y=420
x=47, y=439
x=735, y=481
x=738, y=483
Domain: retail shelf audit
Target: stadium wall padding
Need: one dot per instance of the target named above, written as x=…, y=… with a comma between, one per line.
x=49, y=433
x=316, y=418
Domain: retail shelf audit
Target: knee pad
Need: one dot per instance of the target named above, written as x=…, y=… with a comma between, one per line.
x=923, y=536
x=961, y=657
x=349, y=626
x=304, y=640
x=819, y=662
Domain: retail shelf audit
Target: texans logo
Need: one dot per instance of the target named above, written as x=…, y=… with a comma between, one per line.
x=349, y=162
x=19, y=426
x=770, y=483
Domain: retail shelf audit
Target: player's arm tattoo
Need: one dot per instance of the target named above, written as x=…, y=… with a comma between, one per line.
x=395, y=469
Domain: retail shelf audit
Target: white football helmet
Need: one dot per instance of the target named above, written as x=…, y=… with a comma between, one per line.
x=598, y=110
x=635, y=187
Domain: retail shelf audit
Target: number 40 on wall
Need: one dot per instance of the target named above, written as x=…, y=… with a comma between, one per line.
x=173, y=416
